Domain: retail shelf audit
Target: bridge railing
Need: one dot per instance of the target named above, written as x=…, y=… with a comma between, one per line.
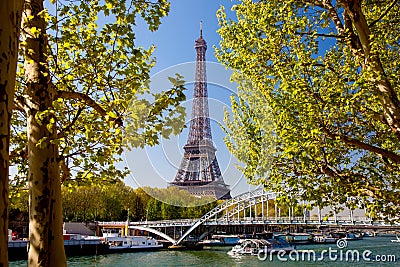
x=160, y=222
x=252, y=221
x=111, y=223
x=166, y=222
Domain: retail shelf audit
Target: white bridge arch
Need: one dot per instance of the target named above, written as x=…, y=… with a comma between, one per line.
x=230, y=210
x=239, y=203
x=154, y=231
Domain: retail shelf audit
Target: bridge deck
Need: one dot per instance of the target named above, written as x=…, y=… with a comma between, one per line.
x=251, y=221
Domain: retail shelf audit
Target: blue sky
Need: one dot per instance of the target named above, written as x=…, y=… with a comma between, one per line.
x=175, y=53
x=175, y=38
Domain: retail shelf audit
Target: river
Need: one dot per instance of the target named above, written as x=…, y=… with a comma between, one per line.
x=373, y=248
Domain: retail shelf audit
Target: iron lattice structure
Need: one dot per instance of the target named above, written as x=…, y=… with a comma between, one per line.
x=199, y=172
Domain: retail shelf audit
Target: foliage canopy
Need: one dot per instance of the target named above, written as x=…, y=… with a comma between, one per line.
x=100, y=80
x=328, y=72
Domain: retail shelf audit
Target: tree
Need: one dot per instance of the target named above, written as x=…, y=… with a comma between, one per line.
x=113, y=205
x=10, y=17
x=80, y=83
x=83, y=203
x=105, y=202
x=154, y=210
x=18, y=207
x=169, y=212
x=328, y=72
x=141, y=204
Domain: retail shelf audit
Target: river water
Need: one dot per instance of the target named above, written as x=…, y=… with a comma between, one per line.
x=377, y=251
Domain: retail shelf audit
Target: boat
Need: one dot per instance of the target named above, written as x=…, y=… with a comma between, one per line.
x=397, y=240
x=17, y=248
x=295, y=238
x=324, y=239
x=348, y=235
x=253, y=247
x=187, y=246
x=212, y=242
x=221, y=240
x=118, y=244
x=370, y=234
x=74, y=245
x=354, y=236
x=80, y=245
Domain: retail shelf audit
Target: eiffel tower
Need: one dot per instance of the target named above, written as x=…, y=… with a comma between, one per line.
x=199, y=172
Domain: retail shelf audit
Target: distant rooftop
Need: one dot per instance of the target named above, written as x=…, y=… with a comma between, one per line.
x=77, y=228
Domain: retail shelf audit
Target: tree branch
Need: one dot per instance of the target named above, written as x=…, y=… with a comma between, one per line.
x=83, y=97
x=19, y=103
x=357, y=143
x=323, y=35
x=69, y=126
x=388, y=96
x=88, y=101
x=313, y=3
x=347, y=179
x=76, y=153
x=19, y=153
x=379, y=117
x=332, y=69
x=355, y=44
x=372, y=24
x=65, y=171
x=334, y=15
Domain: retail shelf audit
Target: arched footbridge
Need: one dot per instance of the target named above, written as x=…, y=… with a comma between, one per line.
x=248, y=208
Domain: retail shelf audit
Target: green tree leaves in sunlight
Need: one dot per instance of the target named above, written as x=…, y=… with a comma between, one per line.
x=327, y=72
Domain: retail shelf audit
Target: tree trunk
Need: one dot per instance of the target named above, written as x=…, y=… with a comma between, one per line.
x=10, y=18
x=385, y=91
x=46, y=245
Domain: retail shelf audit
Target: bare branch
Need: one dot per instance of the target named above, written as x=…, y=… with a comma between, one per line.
x=83, y=97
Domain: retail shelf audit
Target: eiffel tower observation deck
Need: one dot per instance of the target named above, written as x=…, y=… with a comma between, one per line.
x=199, y=172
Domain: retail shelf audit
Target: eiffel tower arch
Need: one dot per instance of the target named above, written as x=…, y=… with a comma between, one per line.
x=199, y=172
